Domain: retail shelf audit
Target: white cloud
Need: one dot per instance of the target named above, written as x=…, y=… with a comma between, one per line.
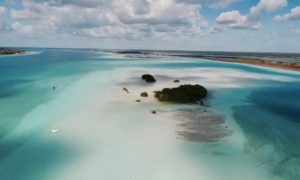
x=294, y=14
x=211, y=3
x=234, y=20
x=231, y=17
x=31, y=11
x=95, y=3
x=83, y=3
x=111, y=19
x=155, y=12
x=2, y=22
x=2, y=10
x=26, y=29
x=266, y=6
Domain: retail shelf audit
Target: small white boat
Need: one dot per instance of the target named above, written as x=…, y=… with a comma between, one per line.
x=54, y=130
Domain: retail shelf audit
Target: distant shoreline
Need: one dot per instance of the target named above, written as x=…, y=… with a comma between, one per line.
x=284, y=65
x=257, y=59
x=9, y=51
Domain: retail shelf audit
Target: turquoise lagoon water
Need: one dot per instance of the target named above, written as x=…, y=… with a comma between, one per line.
x=103, y=136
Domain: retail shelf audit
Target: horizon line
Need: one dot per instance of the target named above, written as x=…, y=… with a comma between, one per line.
x=143, y=49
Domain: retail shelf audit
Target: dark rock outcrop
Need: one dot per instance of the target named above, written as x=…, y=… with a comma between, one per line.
x=182, y=94
x=144, y=94
x=125, y=89
x=176, y=81
x=148, y=78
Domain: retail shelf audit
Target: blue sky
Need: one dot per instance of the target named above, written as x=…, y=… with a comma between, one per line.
x=223, y=25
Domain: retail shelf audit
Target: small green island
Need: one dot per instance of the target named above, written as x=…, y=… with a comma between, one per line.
x=9, y=51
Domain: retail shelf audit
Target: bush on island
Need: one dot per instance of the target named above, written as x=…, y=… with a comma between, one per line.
x=182, y=94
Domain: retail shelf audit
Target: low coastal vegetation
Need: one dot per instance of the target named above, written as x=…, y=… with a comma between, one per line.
x=8, y=51
x=182, y=94
x=144, y=94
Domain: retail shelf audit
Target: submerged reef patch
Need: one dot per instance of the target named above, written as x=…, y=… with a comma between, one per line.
x=200, y=125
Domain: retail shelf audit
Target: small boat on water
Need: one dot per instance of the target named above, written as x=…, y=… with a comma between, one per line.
x=52, y=131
